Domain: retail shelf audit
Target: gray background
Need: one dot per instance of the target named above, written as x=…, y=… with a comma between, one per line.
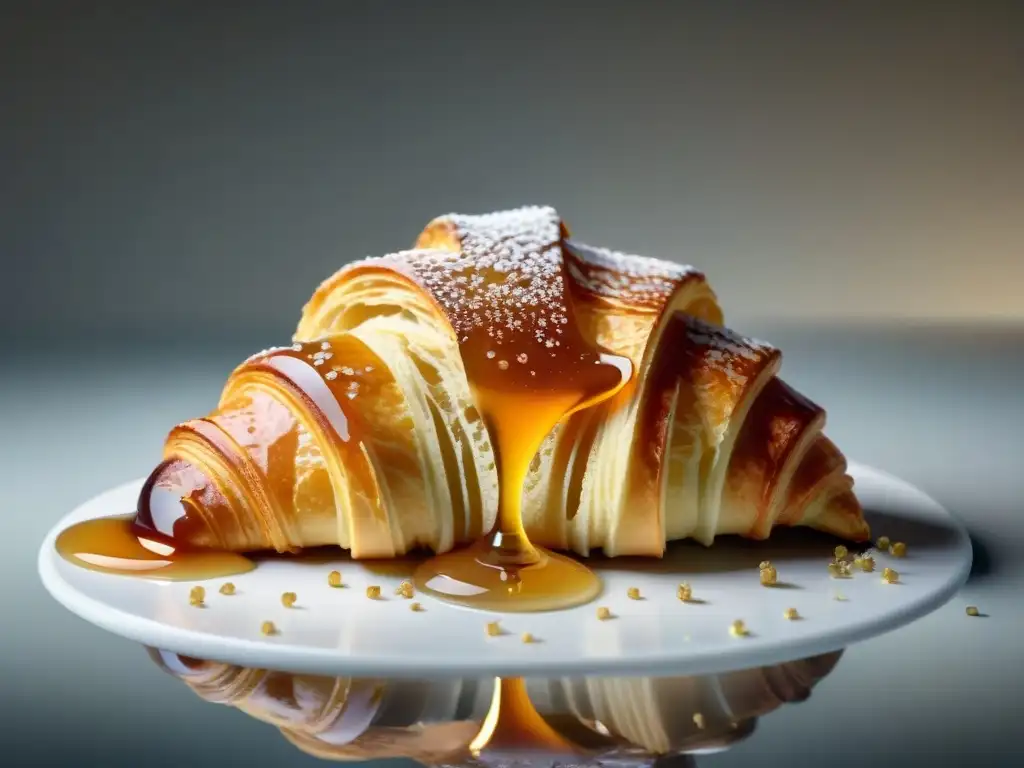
x=176, y=178
x=195, y=168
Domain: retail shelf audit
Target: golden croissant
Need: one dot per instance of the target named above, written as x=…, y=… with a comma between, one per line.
x=364, y=433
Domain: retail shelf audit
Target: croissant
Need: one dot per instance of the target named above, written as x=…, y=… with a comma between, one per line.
x=366, y=432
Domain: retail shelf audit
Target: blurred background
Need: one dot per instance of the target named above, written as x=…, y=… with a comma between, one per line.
x=176, y=178
x=196, y=168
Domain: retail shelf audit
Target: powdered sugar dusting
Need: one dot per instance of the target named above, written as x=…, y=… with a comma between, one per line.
x=400, y=261
x=638, y=280
x=507, y=276
x=725, y=350
x=505, y=280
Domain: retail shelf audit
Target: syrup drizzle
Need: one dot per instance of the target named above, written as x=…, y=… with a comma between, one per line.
x=500, y=281
x=513, y=724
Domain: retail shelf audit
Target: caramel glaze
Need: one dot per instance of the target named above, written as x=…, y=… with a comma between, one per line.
x=165, y=538
x=528, y=367
x=188, y=527
x=119, y=545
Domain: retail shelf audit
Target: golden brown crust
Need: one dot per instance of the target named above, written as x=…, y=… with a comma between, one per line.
x=824, y=464
x=843, y=515
x=772, y=440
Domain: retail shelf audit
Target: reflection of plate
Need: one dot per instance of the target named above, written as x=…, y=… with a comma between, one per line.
x=625, y=721
x=341, y=631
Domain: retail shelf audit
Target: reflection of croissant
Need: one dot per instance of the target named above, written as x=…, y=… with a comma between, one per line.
x=436, y=720
x=364, y=433
x=344, y=718
x=663, y=714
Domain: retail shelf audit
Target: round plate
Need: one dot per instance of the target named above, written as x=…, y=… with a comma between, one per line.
x=342, y=632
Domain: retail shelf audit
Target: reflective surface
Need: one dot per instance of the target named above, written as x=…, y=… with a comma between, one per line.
x=631, y=720
x=939, y=407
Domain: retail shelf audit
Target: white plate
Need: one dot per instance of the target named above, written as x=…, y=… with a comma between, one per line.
x=342, y=632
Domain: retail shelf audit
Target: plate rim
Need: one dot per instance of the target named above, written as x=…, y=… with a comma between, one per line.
x=310, y=660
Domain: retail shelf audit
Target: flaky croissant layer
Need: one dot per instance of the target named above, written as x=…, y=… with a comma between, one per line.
x=364, y=432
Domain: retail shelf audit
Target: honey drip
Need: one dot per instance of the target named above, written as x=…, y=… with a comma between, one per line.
x=513, y=724
x=167, y=538
x=120, y=545
x=505, y=571
x=528, y=368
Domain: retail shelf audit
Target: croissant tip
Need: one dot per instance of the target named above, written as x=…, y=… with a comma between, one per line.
x=167, y=504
